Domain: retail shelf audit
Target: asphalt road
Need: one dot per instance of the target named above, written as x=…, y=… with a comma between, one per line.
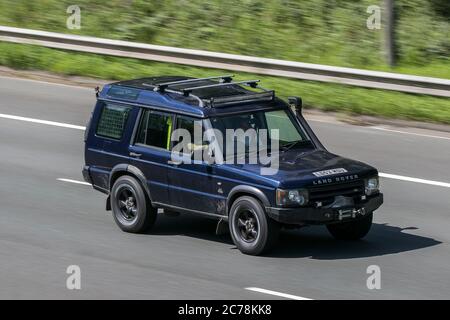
x=47, y=225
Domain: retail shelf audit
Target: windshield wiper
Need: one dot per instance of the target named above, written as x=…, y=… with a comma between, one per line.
x=290, y=145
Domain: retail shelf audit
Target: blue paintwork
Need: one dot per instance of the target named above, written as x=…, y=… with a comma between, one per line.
x=203, y=187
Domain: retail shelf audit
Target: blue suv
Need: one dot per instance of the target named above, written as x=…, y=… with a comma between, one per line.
x=130, y=156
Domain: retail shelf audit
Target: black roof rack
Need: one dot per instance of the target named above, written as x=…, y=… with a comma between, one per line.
x=201, y=103
x=161, y=87
x=245, y=96
x=221, y=102
x=250, y=83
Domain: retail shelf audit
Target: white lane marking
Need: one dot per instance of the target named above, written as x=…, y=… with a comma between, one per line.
x=411, y=133
x=278, y=294
x=416, y=180
x=46, y=122
x=381, y=174
x=385, y=129
x=74, y=181
x=71, y=126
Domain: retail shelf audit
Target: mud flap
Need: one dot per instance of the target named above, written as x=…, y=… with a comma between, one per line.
x=222, y=228
x=108, y=203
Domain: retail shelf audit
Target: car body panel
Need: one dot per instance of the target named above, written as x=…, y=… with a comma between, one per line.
x=210, y=188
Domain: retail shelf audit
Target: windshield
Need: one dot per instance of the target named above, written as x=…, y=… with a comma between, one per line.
x=290, y=134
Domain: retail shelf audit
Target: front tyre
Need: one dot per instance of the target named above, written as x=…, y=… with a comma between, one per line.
x=252, y=231
x=351, y=230
x=131, y=208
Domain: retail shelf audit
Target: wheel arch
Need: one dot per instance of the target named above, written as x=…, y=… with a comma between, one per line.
x=126, y=169
x=244, y=190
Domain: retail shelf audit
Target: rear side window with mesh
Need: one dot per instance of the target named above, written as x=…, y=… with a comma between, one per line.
x=112, y=121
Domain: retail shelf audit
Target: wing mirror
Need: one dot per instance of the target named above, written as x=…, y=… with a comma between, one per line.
x=297, y=103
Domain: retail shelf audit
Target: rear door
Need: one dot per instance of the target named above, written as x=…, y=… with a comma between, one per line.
x=150, y=151
x=108, y=140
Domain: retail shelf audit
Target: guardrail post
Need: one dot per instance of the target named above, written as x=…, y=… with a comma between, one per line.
x=389, y=38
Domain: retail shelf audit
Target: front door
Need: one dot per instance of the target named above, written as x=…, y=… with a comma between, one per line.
x=190, y=184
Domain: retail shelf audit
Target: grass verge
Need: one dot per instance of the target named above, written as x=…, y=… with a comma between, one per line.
x=323, y=96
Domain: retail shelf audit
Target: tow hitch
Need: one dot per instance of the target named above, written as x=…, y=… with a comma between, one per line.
x=350, y=213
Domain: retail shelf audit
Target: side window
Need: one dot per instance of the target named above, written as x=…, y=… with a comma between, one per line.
x=112, y=121
x=188, y=124
x=191, y=125
x=154, y=129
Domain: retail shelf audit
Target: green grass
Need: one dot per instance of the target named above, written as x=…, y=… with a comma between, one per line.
x=327, y=97
x=332, y=32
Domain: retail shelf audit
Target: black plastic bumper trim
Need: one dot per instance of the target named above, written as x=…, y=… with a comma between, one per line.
x=322, y=215
x=86, y=174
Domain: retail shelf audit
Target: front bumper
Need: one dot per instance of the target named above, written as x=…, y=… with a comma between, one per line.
x=325, y=215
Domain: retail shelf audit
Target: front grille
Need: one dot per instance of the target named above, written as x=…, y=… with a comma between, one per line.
x=326, y=193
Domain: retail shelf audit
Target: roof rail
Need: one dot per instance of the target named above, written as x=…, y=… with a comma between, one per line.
x=161, y=87
x=250, y=83
x=201, y=102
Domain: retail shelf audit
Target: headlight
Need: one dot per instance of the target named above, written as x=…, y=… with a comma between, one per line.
x=372, y=186
x=297, y=197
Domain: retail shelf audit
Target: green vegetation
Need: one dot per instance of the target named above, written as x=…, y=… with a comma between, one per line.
x=330, y=32
x=328, y=97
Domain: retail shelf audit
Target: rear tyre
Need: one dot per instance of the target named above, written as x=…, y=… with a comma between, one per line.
x=252, y=231
x=131, y=207
x=351, y=230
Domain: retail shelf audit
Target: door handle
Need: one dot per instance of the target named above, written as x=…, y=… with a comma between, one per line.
x=135, y=155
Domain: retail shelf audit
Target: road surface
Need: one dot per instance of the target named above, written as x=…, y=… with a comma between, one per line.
x=47, y=224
